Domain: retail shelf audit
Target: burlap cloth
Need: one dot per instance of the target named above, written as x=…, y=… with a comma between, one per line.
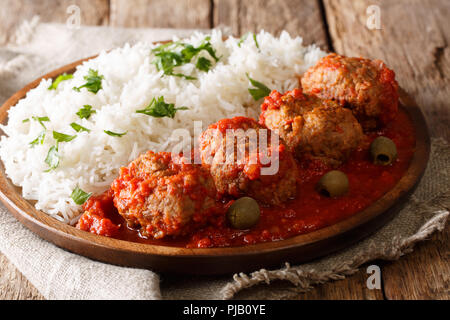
x=39, y=48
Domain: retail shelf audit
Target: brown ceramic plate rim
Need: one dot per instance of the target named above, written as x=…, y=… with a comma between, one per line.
x=62, y=234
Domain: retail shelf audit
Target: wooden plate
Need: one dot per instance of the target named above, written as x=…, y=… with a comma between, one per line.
x=217, y=260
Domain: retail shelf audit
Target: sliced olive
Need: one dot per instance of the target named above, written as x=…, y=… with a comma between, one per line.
x=243, y=213
x=383, y=151
x=333, y=184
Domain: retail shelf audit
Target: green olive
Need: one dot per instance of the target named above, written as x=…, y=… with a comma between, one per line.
x=333, y=184
x=383, y=151
x=243, y=213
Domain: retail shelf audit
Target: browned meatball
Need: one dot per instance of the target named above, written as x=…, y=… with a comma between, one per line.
x=163, y=195
x=312, y=128
x=367, y=87
x=238, y=173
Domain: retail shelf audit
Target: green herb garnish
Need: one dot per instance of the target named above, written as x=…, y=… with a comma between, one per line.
x=256, y=41
x=60, y=78
x=61, y=137
x=203, y=64
x=52, y=158
x=39, y=140
x=242, y=39
x=168, y=56
x=114, y=134
x=78, y=128
x=167, y=61
x=39, y=119
x=79, y=196
x=260, y=91
x=93, y=82
x=85, y=112
x=158, y=108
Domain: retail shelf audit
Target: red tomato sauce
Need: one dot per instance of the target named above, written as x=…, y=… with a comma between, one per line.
x=309, y=211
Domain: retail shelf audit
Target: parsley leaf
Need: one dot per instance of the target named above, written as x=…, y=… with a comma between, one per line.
x=93, y=82
x=167, y=60
x=61, y=137
x=168, y=56
x=85, y=112
x=256, y=41
x=75, y=126
x=39, y=119
x=189, y=52
x=60, y=78
x=242, y=39
x=114, y=134
x=79, y=196
x=39, y=140
x=158, y=108
x=203, y=64
x=208, y=48
x=260, y=91
x=52, y=158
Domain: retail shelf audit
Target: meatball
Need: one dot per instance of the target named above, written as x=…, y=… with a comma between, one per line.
x=311, y=127
x=235, y=149
x=367, y=87
x=162, y=194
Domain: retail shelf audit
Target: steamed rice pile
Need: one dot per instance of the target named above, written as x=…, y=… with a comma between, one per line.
x=92, y=160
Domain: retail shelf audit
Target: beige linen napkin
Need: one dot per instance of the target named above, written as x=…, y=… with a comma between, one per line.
x=57, y=274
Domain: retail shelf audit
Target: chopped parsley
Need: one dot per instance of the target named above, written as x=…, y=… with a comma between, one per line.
x=256, y=41
x=242, y=39
x=93, y=82
x=85, y=112
x=79, y=196
x=158, y=108
x=75, y=126
x=260, y=90
x=61, y=137
x=245, y=36
x=52, y=158
x=60, y=78
x=39, y=119
x=203, y=64
x=115, y=134
x=39, y=140
x=169, y=56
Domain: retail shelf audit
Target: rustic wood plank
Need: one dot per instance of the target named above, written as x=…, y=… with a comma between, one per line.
x=161, y=13
x=423, y=274
x=13, y=285
x=298, y=17
x=15, y=12
x=413, y=41
x=351, y=288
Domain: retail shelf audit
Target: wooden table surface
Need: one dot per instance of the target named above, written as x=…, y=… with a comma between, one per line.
x=413, y=40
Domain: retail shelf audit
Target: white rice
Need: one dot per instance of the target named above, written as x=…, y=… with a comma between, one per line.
x=131, y=80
